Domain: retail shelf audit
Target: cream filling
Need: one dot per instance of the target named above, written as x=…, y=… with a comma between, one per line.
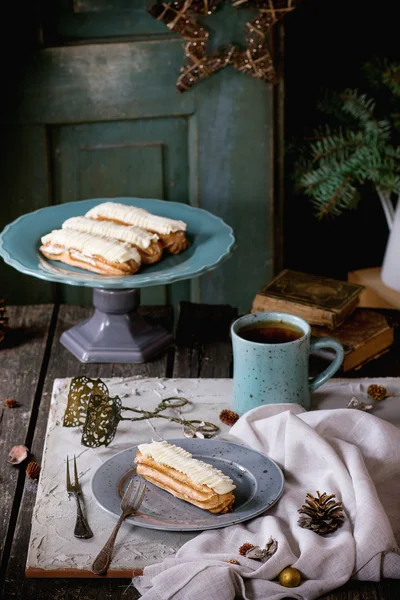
x=136, y=216
x=52, y=249
x=198, y=471
x=91, y=245
x=124, y=233
x=82, y=257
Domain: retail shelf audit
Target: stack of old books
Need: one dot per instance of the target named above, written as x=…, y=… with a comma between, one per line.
x=330, y=306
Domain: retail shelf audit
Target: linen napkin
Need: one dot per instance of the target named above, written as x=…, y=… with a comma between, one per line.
x=348, y=452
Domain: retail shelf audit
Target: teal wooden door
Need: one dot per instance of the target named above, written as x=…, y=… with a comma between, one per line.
x=98, y=115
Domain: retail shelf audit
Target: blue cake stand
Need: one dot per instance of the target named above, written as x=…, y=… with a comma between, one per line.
x=116, y=332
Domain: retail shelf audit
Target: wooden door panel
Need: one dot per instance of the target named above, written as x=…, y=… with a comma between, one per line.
x=120, y=169
x=103, y=82
x=144, y=158
x=235, y=165
x=113, y=116
x=85, y=19
x=110, y=6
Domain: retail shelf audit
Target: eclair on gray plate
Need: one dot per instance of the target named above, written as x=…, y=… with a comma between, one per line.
x=173, y=469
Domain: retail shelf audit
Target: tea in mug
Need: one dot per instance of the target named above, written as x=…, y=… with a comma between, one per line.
x=271, y=332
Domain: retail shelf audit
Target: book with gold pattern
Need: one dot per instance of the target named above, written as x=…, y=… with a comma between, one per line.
x=319, y=300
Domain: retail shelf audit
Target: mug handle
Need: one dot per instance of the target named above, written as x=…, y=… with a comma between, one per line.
x=326, y=342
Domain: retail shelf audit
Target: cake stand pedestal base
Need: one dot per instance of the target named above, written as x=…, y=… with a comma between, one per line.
x=116, y=333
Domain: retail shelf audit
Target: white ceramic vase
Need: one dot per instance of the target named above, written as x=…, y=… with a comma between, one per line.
x=390, y=273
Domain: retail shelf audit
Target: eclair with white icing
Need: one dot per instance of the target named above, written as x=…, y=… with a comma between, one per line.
x=91, y=252
x=146, y=243
x=171, y=233
x=173, y=469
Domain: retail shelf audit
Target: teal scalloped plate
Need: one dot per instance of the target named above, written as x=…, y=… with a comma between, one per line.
x=211, y=243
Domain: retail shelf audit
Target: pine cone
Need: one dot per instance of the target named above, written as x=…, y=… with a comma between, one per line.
x=323, y=514
x=10, y=403
x=377, y=392
x=33, y=470
x=244, y=548
x=3, y=321
x=228, y=417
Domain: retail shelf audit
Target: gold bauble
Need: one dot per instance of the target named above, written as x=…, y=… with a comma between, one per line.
x=290, y=577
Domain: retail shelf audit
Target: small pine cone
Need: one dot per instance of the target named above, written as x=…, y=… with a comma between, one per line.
x=377, y=392
x=228, y=417
x=33, y=470
x=10, y=403
x=244, y=548
x=323, y=514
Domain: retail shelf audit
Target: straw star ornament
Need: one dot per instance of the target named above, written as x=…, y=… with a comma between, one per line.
x=182, y=17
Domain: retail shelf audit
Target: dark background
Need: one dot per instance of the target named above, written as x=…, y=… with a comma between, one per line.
x=326, y=44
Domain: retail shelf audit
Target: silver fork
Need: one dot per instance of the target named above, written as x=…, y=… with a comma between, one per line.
x=82, y=529
x=130, y=503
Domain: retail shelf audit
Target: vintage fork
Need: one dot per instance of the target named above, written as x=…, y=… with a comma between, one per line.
x=82, y=529
x=130, y=503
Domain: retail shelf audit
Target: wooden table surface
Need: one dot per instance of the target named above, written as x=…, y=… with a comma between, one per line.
x=29, y=363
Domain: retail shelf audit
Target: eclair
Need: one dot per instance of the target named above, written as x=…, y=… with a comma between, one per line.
x=171, y=233
x=173, y=469
x=90, y=252
x=145, y=242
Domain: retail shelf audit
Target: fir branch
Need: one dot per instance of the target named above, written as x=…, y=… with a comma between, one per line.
x=328, y=208
x=336, y=162
x=361, y=108
x=332, y=148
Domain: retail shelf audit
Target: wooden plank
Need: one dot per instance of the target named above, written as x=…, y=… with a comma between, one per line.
x=209, y=325
x=103, y=82
x=23, y=175
x=360, y=590
x=84, y=19
x=22, y=356
x=64, y=364
x=279, y=146
x=203, y=344
x=235, y=182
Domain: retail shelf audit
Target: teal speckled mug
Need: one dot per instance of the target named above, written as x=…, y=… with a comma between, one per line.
x=270, y=360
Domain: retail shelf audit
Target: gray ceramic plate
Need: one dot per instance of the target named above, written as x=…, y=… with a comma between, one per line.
x=259, y=484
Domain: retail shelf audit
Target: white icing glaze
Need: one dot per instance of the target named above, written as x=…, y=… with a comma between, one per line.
x=198, y=471
x=91, y=245
x=131, y=234
x=136, y=216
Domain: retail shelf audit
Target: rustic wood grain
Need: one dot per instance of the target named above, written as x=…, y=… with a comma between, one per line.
x=63, y=364
x=99, y=81
x=21, y=358
x=99, y=19
x=203, y=343
x=202, y=333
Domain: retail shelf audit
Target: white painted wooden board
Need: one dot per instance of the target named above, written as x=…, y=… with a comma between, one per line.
x=55, y=552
